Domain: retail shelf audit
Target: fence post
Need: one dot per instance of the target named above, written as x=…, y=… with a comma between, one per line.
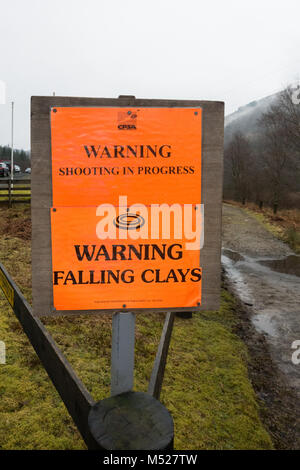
x=9, y=193
x=131, y=421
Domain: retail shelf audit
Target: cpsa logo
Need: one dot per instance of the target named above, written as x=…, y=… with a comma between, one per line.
x=127, y=120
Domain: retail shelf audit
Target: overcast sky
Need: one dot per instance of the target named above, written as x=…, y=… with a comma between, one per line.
x=235, y=51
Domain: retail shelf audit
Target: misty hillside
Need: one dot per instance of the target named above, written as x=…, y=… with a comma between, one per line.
x=261, y=157
x=245, y=118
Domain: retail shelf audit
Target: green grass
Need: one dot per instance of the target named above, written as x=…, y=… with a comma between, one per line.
x=271, y=227
x=292, y=237
x=206, y=384
x=282, y=226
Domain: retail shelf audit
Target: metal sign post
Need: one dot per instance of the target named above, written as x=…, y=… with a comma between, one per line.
x=122, y=353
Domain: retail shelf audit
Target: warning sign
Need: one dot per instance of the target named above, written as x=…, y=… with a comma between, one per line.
x=127, y=220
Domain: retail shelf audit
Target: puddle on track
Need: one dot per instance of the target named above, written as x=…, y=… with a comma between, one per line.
x=271, y=289
x=288, y=265
x=264, y=324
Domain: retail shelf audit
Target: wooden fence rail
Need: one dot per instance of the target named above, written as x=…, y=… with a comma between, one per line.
x=75, y=396
x=16, y=190
x=86, y=413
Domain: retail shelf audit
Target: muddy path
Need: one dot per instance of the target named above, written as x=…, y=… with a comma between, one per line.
x=263, y=273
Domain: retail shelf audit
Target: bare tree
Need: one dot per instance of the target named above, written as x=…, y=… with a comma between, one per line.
x=275, y=152
x=265, y=165
x=238, y=158
x=288, y=109
x=281, y=144
x=258, y=178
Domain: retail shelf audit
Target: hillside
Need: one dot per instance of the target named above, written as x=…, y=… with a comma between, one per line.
x=245, y=118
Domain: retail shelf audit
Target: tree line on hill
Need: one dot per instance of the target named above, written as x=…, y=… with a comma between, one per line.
x=265, y=169
x=21, y=157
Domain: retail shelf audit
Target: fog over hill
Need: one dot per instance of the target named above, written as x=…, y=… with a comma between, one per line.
x=261, y=155
x=245, y=118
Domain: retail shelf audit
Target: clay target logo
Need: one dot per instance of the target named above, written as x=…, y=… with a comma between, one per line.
x=127, y=120
x=129, y=221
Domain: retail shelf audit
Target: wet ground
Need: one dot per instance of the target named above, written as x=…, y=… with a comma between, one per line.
x=264, y=273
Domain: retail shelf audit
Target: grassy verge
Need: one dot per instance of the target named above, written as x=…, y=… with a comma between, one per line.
x=206, y=385
x=285, y=225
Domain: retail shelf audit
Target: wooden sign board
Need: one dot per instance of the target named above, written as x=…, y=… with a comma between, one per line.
x=115, y=184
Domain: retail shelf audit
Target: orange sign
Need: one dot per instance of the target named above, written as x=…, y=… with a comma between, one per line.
x=126, y=220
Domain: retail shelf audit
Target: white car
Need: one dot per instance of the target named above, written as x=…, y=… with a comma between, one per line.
x=17, y=169
x=4, y=170
x=28, y=170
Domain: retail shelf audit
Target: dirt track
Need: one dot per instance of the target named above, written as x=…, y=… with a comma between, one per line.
x=263, y=273
x=243, y=233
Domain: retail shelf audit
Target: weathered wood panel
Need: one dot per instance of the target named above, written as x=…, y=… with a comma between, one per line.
x=212, y=178
x=158, y=371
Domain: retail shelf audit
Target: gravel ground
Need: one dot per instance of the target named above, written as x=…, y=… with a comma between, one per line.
x=263, y=273
x=244, y=234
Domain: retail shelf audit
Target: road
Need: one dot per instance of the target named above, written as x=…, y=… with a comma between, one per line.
x=264, y=274
x=17, y=176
